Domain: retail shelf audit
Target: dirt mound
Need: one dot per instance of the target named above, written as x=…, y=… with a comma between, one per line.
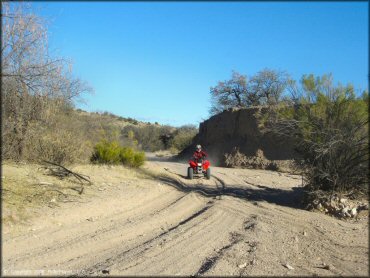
x=239, y=128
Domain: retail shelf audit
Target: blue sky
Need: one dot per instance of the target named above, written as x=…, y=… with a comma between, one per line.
x=156, y=61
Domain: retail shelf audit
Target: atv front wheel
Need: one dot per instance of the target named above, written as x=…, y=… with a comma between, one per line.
x=190, y=173
x=208, y=173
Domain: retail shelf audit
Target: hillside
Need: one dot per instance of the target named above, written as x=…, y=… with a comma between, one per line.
x=131, y=132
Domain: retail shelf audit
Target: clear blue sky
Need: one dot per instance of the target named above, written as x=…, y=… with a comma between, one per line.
x=156, y=61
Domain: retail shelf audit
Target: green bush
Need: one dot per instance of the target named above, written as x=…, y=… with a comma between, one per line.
x=330, y=126
x=106, y=152
x=139, y=159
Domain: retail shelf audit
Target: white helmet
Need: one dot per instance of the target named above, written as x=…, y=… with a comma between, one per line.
x=199, y=147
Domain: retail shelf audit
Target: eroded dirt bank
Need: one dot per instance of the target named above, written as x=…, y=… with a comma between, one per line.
x=241, y=222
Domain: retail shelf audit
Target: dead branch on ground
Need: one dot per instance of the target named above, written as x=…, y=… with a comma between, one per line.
x=62, y=172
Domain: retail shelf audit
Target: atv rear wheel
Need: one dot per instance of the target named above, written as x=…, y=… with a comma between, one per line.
x=190, y=173
x=208, y=173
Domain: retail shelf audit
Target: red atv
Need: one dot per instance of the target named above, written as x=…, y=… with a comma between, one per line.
x=200, y=166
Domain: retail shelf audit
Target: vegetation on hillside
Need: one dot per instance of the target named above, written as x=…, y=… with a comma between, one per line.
x=155, y=137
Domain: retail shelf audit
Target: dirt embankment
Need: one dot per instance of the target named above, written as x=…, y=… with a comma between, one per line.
x=155, y=222
x=238, y=128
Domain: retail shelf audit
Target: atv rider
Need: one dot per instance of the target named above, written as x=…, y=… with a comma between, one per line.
x=199, y=154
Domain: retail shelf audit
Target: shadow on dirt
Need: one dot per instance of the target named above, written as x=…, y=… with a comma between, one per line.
x=290, y=198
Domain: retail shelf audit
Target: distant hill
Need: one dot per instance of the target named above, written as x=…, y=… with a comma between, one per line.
x=128, y=131
x=114, y=119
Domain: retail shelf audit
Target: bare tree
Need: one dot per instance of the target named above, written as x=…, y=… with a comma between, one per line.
x=34, y=84
x=268, y=87
x=265, y=88
x=230, y=93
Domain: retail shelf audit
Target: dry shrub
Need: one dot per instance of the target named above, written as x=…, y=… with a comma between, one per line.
x=58, y=146
x=258, y=161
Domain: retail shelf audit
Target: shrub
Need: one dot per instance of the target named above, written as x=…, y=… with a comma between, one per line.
x=106, y=152
x=182, y=137
x=139, y=159
x=156, y=137
x=148, y=137
x=330, y=127
x=182, y=140
x=58, y=146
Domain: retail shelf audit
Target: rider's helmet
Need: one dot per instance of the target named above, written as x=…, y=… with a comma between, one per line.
x=198, y=148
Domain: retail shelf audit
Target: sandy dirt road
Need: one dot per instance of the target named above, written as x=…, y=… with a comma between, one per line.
x=241, y=222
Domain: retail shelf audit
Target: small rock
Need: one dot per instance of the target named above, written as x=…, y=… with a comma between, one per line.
x=105, y=271
x=53, y=200
x=45, y=183
x=353, y=212
x=242, y=265
x=288, y=266
x=343, y=200
x=305, y=233
x=327, y=266
x=319, y=206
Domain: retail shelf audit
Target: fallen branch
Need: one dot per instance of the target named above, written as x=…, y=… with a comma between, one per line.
x=62, y=172
x=79, y=190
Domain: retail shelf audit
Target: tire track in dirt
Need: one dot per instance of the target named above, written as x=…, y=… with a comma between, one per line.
x=196, y=240
x=114, y=223
x=235, y=237
x=209, y=262
x=97, y=235
x=110, y=261
x=184, y=229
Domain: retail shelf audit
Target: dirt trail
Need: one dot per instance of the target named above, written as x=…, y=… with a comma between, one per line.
x=241, y=222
